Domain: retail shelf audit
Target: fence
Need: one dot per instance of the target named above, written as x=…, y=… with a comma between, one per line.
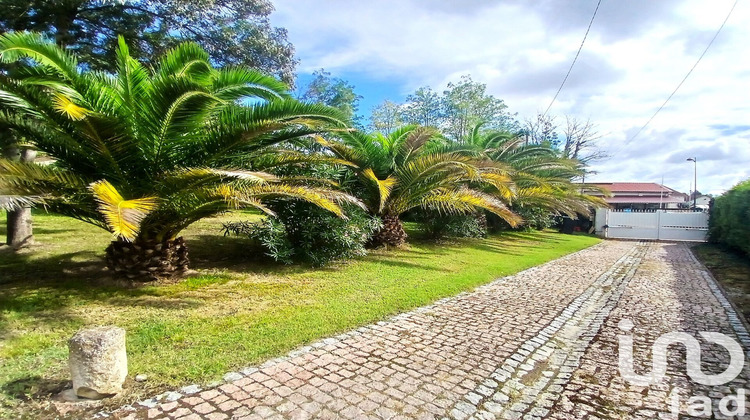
x=666, y=225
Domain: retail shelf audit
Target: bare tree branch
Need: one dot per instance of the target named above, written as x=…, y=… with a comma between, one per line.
x=581, y=140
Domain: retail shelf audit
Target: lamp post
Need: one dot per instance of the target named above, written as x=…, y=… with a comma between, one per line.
x=695, y=180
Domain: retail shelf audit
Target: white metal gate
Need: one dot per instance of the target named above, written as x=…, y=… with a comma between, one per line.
x=658, y=225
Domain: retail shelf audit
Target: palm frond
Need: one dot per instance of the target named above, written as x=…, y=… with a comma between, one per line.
x=383, y=186
x=274, y=158
x=323, y=198
x=17, y=45
x=411, y=141
x=70, y=109
x=187, y=59
x=28, y=179
x=243, y=129
x=16, y=202
x=465, y=200
x=235, y=83
x=123, y=217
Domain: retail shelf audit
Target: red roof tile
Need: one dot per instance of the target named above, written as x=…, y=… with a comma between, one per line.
x=634, y=187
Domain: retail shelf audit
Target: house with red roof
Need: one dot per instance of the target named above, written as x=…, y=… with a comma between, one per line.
x=640, y=196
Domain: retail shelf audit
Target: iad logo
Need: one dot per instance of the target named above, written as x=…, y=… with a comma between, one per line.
x=700, y=406
x=693, y=349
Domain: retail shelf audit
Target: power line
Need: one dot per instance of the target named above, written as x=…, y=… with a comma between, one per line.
x=681, y=82
x=574, y=59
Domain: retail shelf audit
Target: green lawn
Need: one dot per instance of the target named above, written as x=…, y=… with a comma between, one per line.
x=237, y=311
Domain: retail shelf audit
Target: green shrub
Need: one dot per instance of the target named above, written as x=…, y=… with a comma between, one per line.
x=270, y=234
x=437, y=225
x=728, y=224
x=301, y=232
x=534, y=218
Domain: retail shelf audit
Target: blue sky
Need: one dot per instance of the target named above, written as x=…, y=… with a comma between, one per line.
x=635, y=55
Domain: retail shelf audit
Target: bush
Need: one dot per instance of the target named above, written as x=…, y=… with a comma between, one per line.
x=534, y=218
x=728, y=224
x=301, y=232
x=270, y=234
x=438, y=225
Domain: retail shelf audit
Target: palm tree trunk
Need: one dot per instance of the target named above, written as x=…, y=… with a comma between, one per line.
x=392, y=233
x=20, y=231
x=148, y=260
x=482, y=220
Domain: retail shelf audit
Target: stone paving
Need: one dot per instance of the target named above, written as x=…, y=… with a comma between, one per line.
x=539, y=344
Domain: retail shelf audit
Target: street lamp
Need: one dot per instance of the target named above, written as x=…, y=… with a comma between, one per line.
x=695, y=180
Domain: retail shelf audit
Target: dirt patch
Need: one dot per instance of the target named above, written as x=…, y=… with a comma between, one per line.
x=732, y=270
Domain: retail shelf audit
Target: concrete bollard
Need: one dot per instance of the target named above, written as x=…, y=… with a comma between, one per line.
x=98, y=362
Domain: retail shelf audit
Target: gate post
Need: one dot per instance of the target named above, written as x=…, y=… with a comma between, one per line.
x=658, y=225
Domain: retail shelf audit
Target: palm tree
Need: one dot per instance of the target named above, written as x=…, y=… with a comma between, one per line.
x=542, y=177
x=144, y=153
x=398, y=172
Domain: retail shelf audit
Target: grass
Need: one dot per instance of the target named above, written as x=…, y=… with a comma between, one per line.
x=732, y=270
x=237, y=311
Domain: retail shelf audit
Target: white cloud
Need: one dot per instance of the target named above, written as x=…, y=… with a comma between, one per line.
x=635, y=55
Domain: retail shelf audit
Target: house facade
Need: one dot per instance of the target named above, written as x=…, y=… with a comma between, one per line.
x=702, y=201
x=640, y=196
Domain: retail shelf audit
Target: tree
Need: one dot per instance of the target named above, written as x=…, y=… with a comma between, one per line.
x=145, y=153
x=424, y=107
x=541, y=130
x=461, y=107
x=728, y=219
x=386, y=117
x=395, y=173
x=234, y=32
x=467, y=104
x=334, y=92
x=543, y=179
x=580, y=140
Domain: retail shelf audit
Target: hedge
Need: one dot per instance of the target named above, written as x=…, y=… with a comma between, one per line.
x=730, y=218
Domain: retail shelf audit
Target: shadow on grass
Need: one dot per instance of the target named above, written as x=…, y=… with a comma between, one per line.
x=405, y=264
x=31, y=283
x=33, y=387
x=26, y=266
x=220, y=252
x=44, y=279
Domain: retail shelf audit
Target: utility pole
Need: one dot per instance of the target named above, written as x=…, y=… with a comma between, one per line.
x=661, y=193
x=695, y=181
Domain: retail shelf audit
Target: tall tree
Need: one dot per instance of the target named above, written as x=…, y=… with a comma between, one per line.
x=146, y=152
x=462, y=106
x=232, y=31
x=580, y=140
x=466, y=104
x=424, y=107
x=334, y=92
x=386, y=117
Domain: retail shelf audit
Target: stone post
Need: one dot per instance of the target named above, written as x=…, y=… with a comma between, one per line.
x=20, y=232
x=98, y=362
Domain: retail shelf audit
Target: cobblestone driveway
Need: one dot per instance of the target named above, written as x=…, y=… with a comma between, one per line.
x=539, y=344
